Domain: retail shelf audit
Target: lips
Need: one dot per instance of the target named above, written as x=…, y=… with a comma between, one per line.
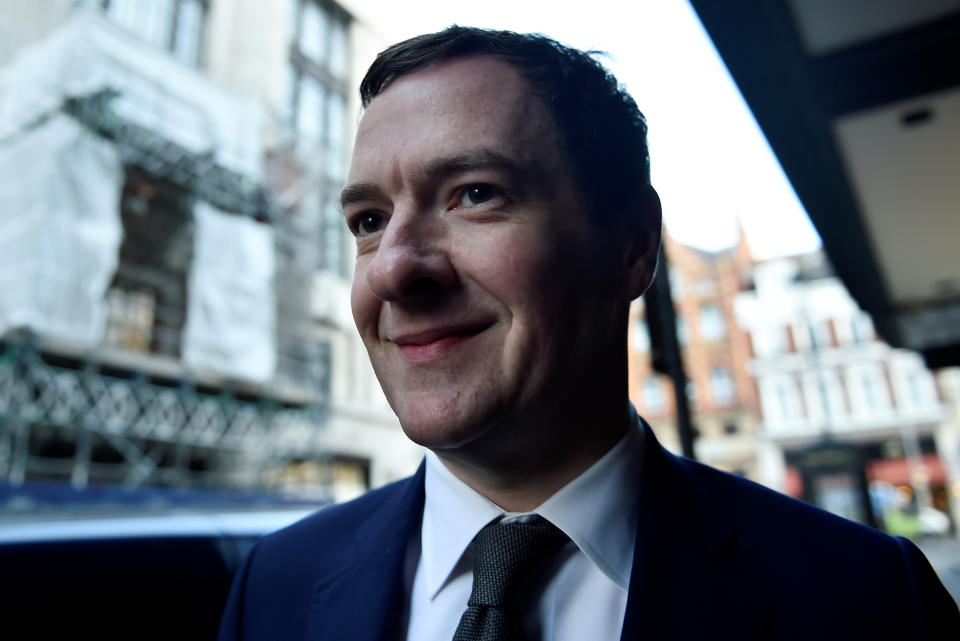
x=437, y=342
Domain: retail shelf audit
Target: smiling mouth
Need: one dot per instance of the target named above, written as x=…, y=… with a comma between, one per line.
x=435, y=344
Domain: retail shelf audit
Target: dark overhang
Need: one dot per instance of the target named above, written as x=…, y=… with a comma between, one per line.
x=860, y=101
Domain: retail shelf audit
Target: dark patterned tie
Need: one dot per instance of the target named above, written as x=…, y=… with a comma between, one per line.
x=505, y=556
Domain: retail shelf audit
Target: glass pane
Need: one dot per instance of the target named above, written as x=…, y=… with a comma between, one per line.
x=683, y=330
x=721, y=385
x=336, y=115
x=124, y=13
x=158, y=22
x=338, y=49
x=313, y=32
x=288, y=103
x=310, y=109
x=309, y=224
x=332, y=237
x=712, y=325
x=151, y=20
x=652, y=395
x=641, y=335
x=676, y=283
x=293, y=18
x=187, y=41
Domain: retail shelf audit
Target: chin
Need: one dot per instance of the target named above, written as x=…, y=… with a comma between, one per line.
x=441, y=428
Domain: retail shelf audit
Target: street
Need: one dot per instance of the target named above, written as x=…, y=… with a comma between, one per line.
x=944, y=556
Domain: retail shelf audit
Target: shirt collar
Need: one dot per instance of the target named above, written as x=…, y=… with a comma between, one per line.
x=597, y=510
x=453, y=513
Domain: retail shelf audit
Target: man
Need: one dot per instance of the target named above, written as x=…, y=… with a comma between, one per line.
x=499, y=195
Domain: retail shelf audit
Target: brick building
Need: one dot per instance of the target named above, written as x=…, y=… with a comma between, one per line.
x=716, y=354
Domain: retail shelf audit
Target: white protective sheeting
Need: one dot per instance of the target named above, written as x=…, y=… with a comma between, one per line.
x=89, y=54
x=60, y=230
x=231, y=310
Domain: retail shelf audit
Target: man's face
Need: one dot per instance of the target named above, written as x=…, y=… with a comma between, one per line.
x=481, y=292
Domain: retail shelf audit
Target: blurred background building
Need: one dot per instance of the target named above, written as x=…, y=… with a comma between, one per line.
x=716, y=356
x=175, y=299
x=824, y=376
x=789, y=385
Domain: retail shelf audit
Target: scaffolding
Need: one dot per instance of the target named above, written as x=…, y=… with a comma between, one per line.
x=131, y=409
x=90, y=420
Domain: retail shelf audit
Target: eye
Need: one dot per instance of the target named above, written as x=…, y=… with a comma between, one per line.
x=480, y=194
x=367, y=223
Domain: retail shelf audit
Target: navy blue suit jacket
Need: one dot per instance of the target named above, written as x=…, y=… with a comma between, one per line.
x=717, y=557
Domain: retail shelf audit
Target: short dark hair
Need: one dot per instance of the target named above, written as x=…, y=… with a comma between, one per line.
x=600, y=127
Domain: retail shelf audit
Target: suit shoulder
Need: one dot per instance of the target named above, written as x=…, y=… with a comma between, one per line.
x=770, y=515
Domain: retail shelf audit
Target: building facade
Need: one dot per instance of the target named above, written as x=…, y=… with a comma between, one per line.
x=715, y=352
x=178, y=311
x=825, y=378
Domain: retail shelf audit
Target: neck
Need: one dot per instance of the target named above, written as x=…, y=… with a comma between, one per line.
x=520, y=477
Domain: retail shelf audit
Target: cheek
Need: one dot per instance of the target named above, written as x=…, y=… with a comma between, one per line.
x=515, y=268
x=364, y=305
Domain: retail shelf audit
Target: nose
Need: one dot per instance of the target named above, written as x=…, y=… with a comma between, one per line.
x=411, y=262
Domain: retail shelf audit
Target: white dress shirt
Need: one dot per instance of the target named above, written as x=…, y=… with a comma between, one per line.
x=585, y=598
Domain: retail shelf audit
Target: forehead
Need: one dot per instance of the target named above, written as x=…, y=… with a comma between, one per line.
x=445, y=108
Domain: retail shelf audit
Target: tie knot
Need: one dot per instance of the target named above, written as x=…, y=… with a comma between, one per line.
x=503, y=553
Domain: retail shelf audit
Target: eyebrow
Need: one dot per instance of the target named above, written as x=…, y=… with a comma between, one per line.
x=359, y=192
x=442, y=167
x=468, y=161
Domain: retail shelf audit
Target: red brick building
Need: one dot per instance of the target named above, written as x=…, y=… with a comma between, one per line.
x=716, y=355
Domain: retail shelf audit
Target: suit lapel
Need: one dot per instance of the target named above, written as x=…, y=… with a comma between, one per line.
x=686, y=582
x=362, y=598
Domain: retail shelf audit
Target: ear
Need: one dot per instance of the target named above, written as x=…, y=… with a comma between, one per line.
x=642, y=232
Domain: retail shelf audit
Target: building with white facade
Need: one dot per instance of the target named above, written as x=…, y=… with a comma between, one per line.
x=823, y=376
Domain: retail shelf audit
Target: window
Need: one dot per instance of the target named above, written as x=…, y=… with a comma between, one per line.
x=712, y=325
x=704, y=287
x=919, y=388
x=314, y=32
x=821, y=334
x=316, y=94
x=829, y=390
x=721, y=385
x=683, y=330
x=675, y=279
x=652, y=395
x=311, y=100
x=861, y=328
x=130, y=319
x=874, y=390
x=147, y=299
x=772, y=340
x=333, y=255
x=172, y=25
x=641, y=335
x=317, y=75
x=788, y=399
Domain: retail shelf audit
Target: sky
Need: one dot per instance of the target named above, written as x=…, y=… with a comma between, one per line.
x=709, y=161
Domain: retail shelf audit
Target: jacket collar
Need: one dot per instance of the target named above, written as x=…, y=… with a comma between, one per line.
x=686, y=581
